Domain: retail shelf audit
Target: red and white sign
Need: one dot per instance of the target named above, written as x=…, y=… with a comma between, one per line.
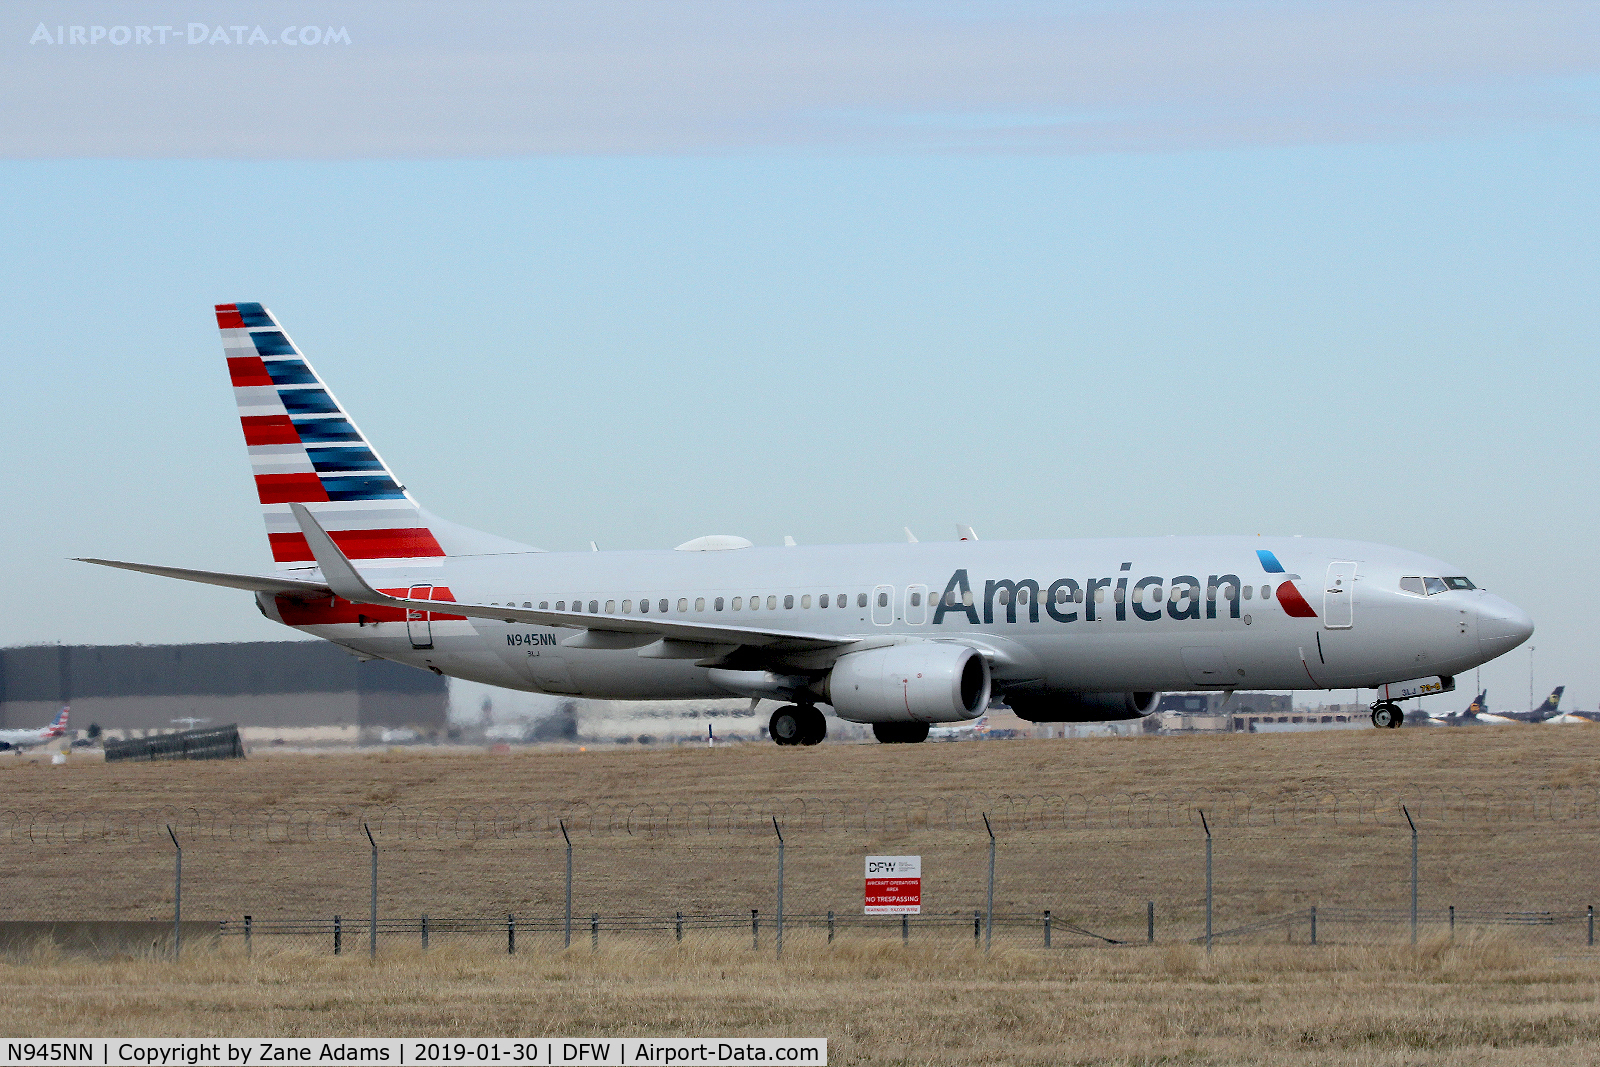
x=894, y=885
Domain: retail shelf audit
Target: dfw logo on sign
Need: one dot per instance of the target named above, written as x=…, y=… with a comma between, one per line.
x=894, y=885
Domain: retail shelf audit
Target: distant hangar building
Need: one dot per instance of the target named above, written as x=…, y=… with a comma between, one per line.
x=265, y=687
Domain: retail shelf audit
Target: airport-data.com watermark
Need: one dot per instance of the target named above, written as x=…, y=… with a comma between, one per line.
x=195, y=33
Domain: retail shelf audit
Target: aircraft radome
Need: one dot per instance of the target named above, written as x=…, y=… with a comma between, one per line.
x=896, y=635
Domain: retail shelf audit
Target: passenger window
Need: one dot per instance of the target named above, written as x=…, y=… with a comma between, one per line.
x=1119, y=594
x=1077, y=596
x=822, y=601
x=1155, y=593
x=699, y=603
x=861, y=600
x=916, y=600
x=788, y=602
x=561, y=605
x=594, y=606
x=772, y=603
x=738, y=602
x=755, y=603
x=883, y=600
x=627, y=607
x=1062, y=595
x=1249, y=590
x=683, y=604
x=662, y=606
x=1266, y=592
x=1459, y=583
x=805, y=601
x=1003, y=598
x=717, y=604
x=1412, y=585
x=1100, y=595
x=644, y=607
x=1022, y=595
x=1230, y=591
x=1433, y=585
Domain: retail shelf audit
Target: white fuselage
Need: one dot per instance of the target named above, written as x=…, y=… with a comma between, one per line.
x=1094, y=635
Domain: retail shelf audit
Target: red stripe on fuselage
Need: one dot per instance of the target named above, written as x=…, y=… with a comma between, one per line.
x=269, y=430
x=287, y=488
x=248, y=370
x=360, y=544
x=1293, y=603
x=333, y=610
x=228, y=317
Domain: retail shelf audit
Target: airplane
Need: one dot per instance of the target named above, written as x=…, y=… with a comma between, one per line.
x=1544, y=712
x=899, y=636
x=970, y=732
x=1475, y=713
x=21, y=739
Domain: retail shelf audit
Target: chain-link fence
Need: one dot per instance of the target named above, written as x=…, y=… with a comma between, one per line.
x=1069, y=872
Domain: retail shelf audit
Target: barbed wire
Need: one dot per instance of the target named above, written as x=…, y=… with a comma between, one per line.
x=1438, y=808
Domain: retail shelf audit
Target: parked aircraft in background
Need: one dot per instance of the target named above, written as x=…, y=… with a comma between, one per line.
x=1548, y=710
x=899, y=635
x=969, y=732
x=1475, y=713
x=20, y=739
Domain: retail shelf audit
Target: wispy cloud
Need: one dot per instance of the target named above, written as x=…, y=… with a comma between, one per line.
x=444, y=80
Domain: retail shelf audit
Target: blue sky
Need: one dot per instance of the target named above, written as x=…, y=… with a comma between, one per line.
x=821, y=271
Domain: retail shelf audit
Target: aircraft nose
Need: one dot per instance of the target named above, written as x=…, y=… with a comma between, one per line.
x=1502, y=626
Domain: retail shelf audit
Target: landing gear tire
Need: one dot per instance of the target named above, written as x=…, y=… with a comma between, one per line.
x=1388, y=716
x=900, y=733
x=797, y=724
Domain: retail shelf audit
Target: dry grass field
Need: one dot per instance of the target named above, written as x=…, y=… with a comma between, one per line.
x=1489, y=997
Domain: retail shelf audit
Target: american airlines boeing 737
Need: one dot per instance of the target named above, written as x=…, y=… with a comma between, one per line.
x=896, y=635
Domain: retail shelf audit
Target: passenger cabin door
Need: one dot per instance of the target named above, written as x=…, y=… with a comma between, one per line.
x=419, y=624
x=1338, y=595
x=883, y=605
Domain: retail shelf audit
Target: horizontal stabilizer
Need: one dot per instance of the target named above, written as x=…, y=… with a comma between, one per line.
x=254, y=583
x=345, y=581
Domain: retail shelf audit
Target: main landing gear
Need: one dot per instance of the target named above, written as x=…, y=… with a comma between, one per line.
x=900, y=733
x=797, y=724
x=1387, y=715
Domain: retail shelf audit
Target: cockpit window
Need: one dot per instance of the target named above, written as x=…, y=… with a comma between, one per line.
x=1459, y=583
x=1412, y=586
x=1434, y=585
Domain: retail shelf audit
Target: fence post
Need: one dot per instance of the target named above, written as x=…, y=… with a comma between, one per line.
x=680, y=927
x=988, y=921
x=1207, y=826
x=567, y=927
x=1591, y=924
x=1047, y=928
x=177, y=896
x=372, y=922
x=338, y=935
x=755, y=928
x=1452, y=922
x=594, y=932
x=1313, y=924
x=830, y=927
x=424, y=931
x=977, y=926
x=1413, y=824
x=779, y=832
x=249, y=950
x=905, y=929
x=511, y=935
x=1150, y=922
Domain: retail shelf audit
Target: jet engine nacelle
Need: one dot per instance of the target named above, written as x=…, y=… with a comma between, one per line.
x=929, y=681
x=1082, y=707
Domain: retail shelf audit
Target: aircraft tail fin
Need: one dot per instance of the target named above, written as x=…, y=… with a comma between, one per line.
x=1479, y=705
x=59, y=726
x=1553, y=701
x=305, y=449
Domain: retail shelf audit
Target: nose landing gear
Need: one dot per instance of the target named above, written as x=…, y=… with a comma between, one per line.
x=1387, y=715
x=797, y=724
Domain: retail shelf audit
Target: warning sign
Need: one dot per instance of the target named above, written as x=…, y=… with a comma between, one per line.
x=894, y=885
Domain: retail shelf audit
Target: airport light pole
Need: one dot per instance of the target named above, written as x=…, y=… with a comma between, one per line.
x=177, y=896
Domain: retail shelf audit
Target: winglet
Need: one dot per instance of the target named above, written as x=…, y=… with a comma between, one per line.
x=911, y=538
x=964, y=532
x=337, y=571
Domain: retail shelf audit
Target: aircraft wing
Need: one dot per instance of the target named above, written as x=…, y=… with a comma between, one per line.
x=345, y=581
x=252, y=582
